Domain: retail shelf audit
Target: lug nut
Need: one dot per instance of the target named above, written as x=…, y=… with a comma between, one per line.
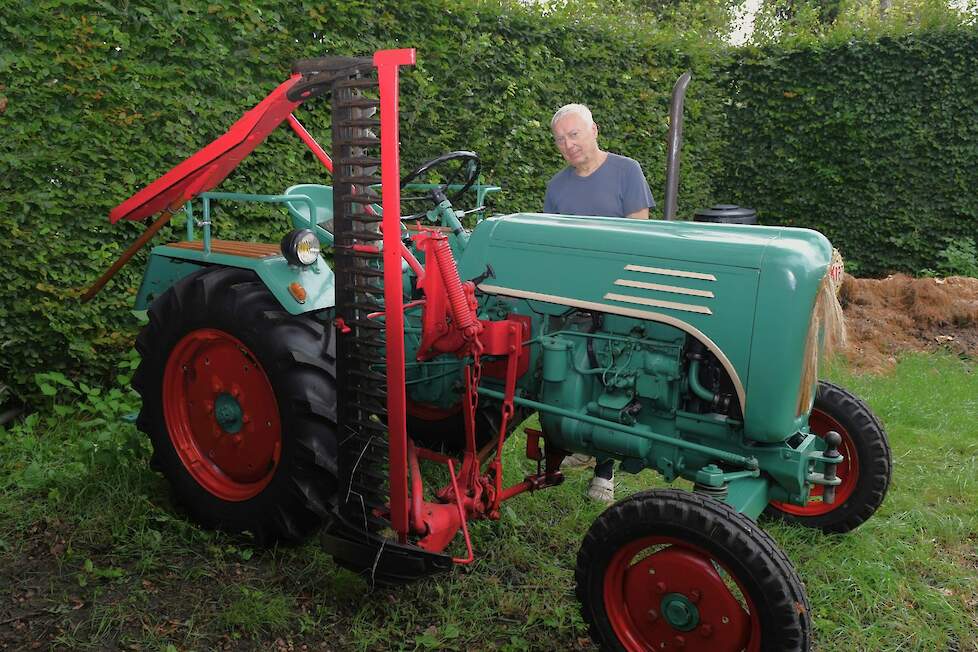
x=660, y=587
x=694, y=596
x=706, y=630
x=653, y=615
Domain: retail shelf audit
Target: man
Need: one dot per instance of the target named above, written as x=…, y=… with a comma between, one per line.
x=595, y=182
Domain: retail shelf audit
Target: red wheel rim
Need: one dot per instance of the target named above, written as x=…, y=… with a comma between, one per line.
x=820, y=423
x=638, y=591
x=221, y=414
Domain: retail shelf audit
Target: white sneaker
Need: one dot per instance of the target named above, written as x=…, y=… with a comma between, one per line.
x=601, y=490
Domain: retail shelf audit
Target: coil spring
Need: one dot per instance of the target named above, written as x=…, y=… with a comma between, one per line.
x=461, y=312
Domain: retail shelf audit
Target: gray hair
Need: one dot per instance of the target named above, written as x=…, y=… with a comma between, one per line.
x=576, y=109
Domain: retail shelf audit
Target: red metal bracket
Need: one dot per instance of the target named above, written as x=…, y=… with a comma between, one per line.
x=388, y=63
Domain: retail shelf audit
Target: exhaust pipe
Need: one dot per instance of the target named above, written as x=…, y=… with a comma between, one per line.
x=674, y=145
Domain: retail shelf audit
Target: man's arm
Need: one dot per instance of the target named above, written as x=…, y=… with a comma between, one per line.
x=636, y=194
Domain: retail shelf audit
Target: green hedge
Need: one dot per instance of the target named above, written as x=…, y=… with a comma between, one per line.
x=103, y=97
x=872, y=142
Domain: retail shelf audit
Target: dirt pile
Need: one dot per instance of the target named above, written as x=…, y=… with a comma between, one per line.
x=885, y=317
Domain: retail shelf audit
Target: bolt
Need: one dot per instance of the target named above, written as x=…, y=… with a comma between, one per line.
x=680, y=641
x=653, y=615
x=660, y=587
x=236, y=440
x=651, y=571
x=724, y=620
x=268, y=423
x=694, y=596
x=706, y=630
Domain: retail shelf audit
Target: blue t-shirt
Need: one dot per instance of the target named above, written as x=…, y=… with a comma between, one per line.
x=615, y=189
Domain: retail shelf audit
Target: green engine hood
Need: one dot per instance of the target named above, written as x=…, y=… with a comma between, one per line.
x=747, y=292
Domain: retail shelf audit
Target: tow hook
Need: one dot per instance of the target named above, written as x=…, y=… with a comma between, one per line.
x=833, y=440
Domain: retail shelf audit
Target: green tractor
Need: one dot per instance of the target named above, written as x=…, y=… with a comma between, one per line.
x=283, y=394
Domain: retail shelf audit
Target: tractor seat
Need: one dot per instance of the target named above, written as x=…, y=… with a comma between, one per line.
x=322, y=205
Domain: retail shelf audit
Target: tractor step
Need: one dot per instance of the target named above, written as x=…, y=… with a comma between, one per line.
x=380, y=561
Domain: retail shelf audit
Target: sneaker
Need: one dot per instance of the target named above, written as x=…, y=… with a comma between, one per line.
x=601, y=490
x=576, y=461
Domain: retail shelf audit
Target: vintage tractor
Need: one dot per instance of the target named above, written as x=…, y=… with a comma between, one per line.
x=282, y=394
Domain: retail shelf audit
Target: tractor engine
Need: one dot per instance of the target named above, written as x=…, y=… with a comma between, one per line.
x=641, y=374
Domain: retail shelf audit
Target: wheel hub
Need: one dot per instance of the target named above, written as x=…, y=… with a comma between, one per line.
x=221, y=414
x=680, y=612
x=675, y=599
x=228, y=413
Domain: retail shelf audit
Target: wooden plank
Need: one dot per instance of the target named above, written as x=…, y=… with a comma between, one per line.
x=232, y=248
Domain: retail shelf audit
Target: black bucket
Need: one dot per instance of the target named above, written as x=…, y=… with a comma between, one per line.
x=726, y=214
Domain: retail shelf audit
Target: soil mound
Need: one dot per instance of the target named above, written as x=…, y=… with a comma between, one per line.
x=885, y=317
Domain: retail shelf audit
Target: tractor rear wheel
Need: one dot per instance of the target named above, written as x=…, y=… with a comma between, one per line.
x=671, y=570
x=865, y=472
x=444, y=430
x=239, y=402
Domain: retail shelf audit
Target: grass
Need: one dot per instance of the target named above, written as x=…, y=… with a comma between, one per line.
x=93, y=555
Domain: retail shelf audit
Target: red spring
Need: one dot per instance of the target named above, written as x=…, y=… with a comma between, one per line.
x=462, y=314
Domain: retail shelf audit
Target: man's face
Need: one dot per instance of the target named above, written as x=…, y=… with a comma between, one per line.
x=576, y=139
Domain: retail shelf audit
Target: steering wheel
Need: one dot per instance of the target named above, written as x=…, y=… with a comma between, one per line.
x=468, y=169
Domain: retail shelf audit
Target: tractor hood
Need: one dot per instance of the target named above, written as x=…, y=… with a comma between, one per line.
x=746, y=291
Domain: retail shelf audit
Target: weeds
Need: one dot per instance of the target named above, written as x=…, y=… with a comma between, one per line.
x=958, y=258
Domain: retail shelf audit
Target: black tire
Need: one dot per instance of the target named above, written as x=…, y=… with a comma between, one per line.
x=291, y=491
x=864, y=439
x=700, y=550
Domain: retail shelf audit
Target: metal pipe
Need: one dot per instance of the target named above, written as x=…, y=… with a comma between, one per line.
x=674, y=143
x=750, y=463
x=696, y=387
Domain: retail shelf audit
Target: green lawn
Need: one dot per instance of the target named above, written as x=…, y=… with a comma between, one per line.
x=93, y=555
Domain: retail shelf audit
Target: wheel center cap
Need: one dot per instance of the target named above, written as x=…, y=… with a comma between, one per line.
x=228, y=413
x=680, y=612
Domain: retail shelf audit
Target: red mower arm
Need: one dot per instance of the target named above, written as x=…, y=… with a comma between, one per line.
x=210, y=166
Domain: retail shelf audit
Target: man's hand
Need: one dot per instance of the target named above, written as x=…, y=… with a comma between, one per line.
x=639, y=215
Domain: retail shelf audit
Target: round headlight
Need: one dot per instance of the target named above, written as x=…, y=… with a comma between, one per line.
x=300, y=247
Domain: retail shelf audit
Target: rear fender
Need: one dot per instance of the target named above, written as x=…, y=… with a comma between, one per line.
x=169, y=264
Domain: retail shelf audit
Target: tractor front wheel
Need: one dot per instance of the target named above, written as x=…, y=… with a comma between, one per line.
x=672, y=570
x=865, y=471
x=239, y=402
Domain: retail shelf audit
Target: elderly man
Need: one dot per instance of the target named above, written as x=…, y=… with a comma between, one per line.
x=595, y=182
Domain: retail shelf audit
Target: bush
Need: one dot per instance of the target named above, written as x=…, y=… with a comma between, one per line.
x=871, y=140
x=102, y=98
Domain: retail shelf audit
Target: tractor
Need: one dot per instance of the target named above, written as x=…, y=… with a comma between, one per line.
x=298, y=385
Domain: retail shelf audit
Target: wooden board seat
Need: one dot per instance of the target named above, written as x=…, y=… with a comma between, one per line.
x=232, y=248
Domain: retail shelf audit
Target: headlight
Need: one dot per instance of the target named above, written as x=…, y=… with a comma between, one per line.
x=300, y=247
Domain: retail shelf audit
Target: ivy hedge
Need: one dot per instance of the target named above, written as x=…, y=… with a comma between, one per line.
x=99, y=98
x=874, y=142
